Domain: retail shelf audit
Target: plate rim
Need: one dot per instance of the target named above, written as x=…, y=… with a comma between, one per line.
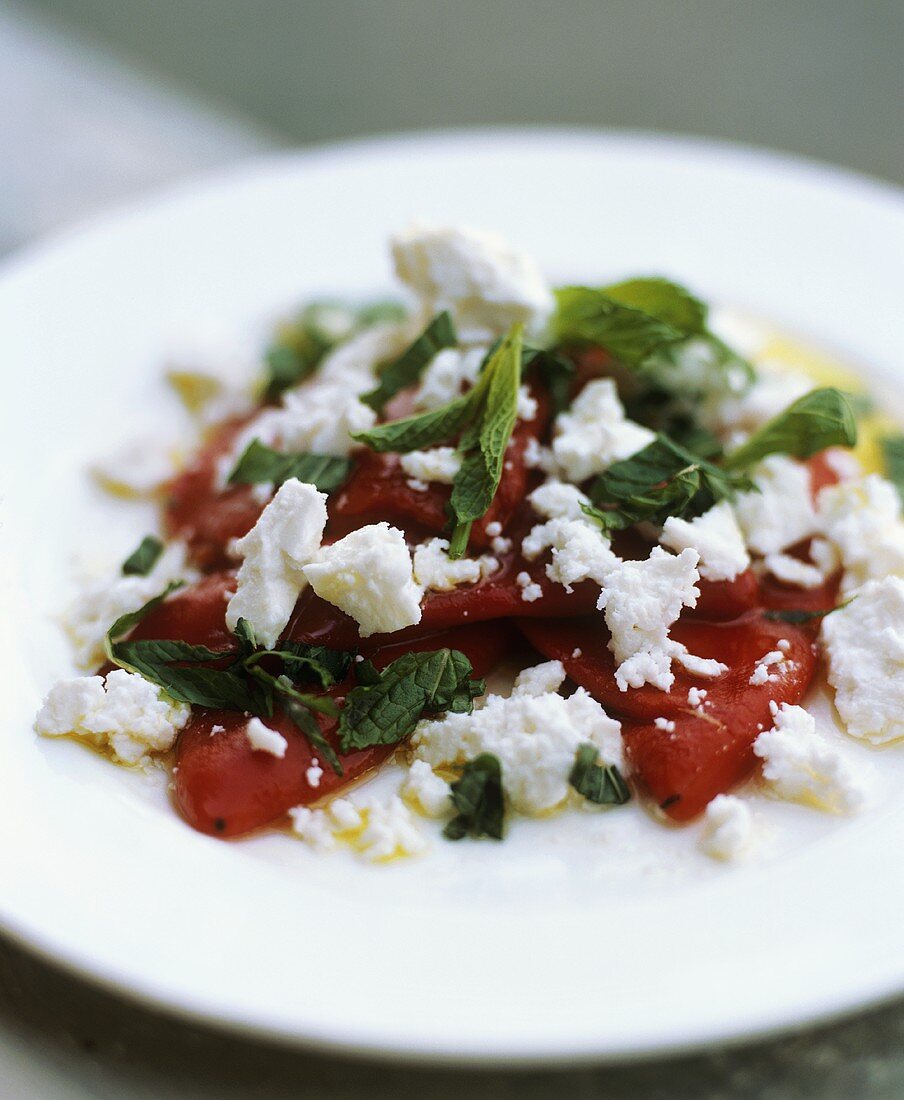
x=232, y=175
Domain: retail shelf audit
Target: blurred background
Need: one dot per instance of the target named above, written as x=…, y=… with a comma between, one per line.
x=105, y=97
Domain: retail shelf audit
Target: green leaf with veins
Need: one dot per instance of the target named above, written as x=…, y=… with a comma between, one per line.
x=660, y=298
x=661, y=480
x=601, y=784
x=386, y=711
x=260, y=464
x=556, y=375
x=143, y=558
x=478, y=797
x=407, y=369
x=414, y=433
x=822, y=418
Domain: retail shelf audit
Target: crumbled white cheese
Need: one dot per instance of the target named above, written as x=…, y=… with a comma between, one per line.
x=696, y=696
x=128, y=713
x=137, y=469
x=500, y=546
x=556, y=499
x=494, y=529
x=527, y=406
x=715, y=536
x=369, y=575
x=700, y=666
x=791, y=570
x=665, y=724
x=580, y=552
x=534, y=736
x=101, y=601
x=538, y=457
x=530, y=590
x=379, y=830
x=801, y=766
x=285, y=538
x=427, y=792
x=478, y=277
x=862, y=520
x=864, y=646
x=434, y=569
x=641, y=600
x=264, y=739
x=761, y=674
x=447, y=375
x=782, y=512
x=540, y=679
x=594, y=432
x=727, y=827
x=439, y=464
x=314, y=773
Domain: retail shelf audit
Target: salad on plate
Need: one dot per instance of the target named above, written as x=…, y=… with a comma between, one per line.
x=545, y=550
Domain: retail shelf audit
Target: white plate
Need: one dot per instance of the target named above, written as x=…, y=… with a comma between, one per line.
x=536, y=950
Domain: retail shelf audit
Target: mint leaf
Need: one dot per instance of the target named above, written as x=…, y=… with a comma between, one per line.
x=484, y=443
x=588, y=315
x=307, y=662
x=478, y=798
x=408, y=368
x=601, y=784
x=259, y=463
x=143, y=558
x=386, y=711
x=666, y=301
x=822, y=418
x=893, y=454
x=131, y=619
x=797, y=617
x=556, y=375
x=414, y=433
x=661, y=480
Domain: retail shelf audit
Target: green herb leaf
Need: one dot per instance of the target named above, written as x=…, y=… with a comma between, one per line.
x=822, y=418
x=797, y=617
x=666, y=301
x=588, y=315
x=484, y=443
x=556, y=374
x=658, y=481
x=143, y=558
x=478, y=798
x=308, y=662
x=259, y=463
x=893, y=453
x=307, y=723
x=601, y=784
x=131, y=619
x=414, y=433
x=385, y=712
x=408, y=368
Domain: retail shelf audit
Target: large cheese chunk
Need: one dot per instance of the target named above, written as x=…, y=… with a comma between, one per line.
x=285, y=538
x=535, y=734
x=478, y=277
x=594, y=432
x=717, y=539
x=369, y=575
x=864, y=645
x=799, y=765
x=862, y=520
x=127, y=713
x=780, y=513
x=556, y=499
x=642, y=599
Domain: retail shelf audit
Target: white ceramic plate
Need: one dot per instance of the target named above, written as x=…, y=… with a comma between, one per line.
x=581, y=945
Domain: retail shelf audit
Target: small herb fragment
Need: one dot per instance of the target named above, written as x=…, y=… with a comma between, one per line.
x=599, y=783
x=556, y=374
x=822, y=418
x=386, y=706
x=259, y=464
x=143, y=558
x=478, y=798
x=893, y=453
x=407, y=369
x=797, y=617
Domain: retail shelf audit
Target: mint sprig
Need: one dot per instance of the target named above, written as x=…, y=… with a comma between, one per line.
x=259, y=464
x=407, y=369
x=386, y=706
x=478, y=797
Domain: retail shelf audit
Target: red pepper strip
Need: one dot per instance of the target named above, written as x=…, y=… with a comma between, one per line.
x=225, y=788
x=708, y=752
x=205, y=517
